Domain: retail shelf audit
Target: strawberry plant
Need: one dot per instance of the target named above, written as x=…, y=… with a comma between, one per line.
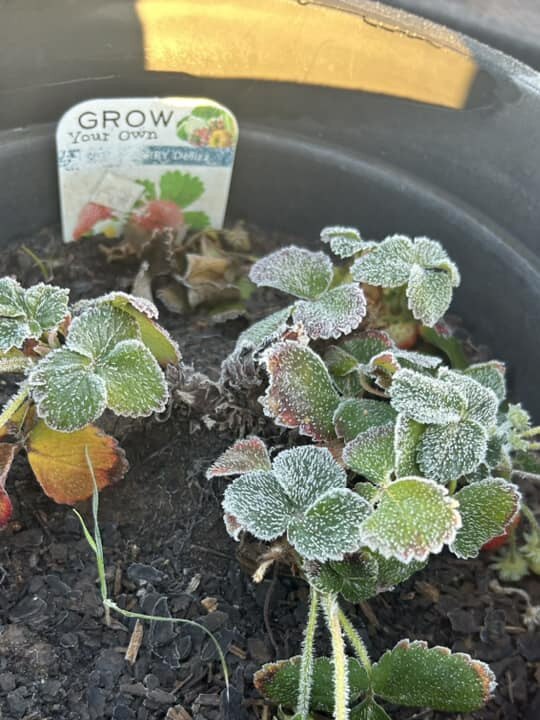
x=107, y=353
x=415, y=450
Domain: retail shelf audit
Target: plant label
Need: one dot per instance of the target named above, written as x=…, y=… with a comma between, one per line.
x=153, y=163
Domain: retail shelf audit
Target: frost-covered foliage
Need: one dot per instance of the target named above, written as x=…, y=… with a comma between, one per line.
x=422, y=265
x=416, y=451
x=78, y=361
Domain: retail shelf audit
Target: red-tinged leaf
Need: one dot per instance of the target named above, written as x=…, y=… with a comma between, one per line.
x=301, y=393
x=244, y=456
x=59, y=462
x=7, y=454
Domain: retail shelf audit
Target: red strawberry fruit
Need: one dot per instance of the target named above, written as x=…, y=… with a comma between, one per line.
x=90, y=214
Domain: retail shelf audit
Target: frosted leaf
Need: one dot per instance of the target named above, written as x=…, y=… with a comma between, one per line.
x=11, y=298
x=429, y=362
x=482, y=403
x=414, y=518
x=136, y=386
x=446, y=452
x=369, y=710
x=354, y=416
x=429, y=293
x=407, y=436
x=26, y=314
x=387, y=265
x=14, y=361
x=294, y=270
x=487, y=509
x=337, y=312
x=68, y=394
x=392, y=572
x=371, y=454
x=330, y=528
x=307, y=472
x=491, y=375
x=279, y=681
x=300, y=393
x=145, y=313
x=413, y=675
x=258, y=504
x=13, y=333
x=431, y=254
x=339, y=362
x=518, y=417
x=355, y=578
x=264, y=330
x=365, y=346
x=426, y=399
x=345, y=241
x=243, y=456
x=47, y=305
x=96, y=332
x=383, y=365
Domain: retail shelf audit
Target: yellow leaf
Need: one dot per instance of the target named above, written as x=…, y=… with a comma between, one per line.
x=59, y=462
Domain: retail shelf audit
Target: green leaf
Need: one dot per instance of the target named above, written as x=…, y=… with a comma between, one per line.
x=487, y=509
x=407, y=438
x=414, y=518
x=278, y=682
x=430, y=254
x=330, y=528
x=355, y=578
x=371, y=453
x=149, y=189
x=11, y=298
x=145, y=313
x=339, y=362
x=207, y=112
x=243, y=456
x=345, y=241
x=482, y=403
x=429, y=293
x=46, y=305
x=387, y=265
x=13, y=333
x=305, y=473
x=441, y=339
x=262, y=331
x=300, y=393
x=258, y=504
x=491, y=375
x=369, y=710
x=180, y=188
x=98, y=330
x=197, y=219
x=67, y=392
x=337, y=312
x=426, y=399
x=415, y=676
x=136, y=386
x=446, y=452
x=367, y=345
x=354, y=416
x=294, y=270
x=392, y=572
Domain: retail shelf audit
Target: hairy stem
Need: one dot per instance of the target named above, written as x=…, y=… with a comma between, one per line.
x=528, y=513
x=306, y=665
x=356, y=641
x=341, y=675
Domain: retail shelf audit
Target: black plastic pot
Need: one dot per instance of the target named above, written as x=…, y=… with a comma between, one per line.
x=376, y=119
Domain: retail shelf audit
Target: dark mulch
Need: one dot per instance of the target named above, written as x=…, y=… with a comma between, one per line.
x=167, y=552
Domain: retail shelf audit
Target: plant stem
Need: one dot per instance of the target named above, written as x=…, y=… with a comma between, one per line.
x=306, y=665
x=533, y=522
x=356, y=641
x=341, y=675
